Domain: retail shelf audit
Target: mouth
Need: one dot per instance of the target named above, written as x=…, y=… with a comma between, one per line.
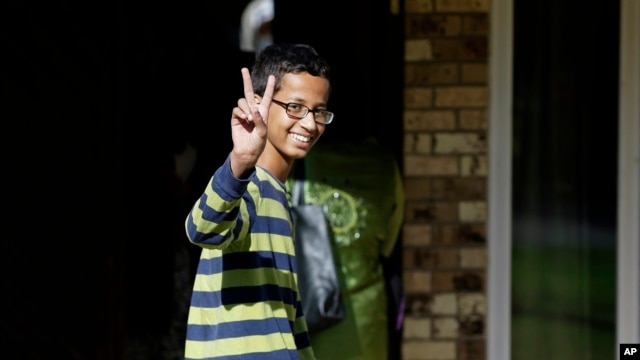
x=300, y=138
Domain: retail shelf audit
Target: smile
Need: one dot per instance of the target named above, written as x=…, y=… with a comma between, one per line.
x=300, y=138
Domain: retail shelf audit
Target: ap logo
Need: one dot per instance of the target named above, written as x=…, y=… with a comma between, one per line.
x=629, y=351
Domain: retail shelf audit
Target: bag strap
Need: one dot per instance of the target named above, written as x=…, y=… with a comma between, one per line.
x=297, y=193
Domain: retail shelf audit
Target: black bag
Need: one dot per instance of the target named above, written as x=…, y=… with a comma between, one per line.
x=317, y=277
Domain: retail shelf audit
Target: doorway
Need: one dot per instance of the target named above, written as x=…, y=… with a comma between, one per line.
x=556, y=238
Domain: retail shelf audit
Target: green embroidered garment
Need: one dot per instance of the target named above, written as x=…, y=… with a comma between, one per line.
x=360, y=188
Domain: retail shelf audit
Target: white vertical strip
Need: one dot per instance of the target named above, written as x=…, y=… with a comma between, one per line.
x=628, y=238
x=499, y=191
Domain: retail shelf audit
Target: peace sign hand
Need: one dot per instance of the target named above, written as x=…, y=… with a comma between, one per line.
x=249, y=126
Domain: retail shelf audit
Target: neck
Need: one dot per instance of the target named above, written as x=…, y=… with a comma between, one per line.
x=274, y=163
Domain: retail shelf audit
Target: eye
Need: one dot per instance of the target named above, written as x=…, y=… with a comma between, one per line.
x=321, y=114
x=296, y=107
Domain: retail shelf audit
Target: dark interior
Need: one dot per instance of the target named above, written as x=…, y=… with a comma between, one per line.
x=97, y=98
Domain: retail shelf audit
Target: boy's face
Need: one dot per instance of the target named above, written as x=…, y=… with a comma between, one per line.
x=292, y=138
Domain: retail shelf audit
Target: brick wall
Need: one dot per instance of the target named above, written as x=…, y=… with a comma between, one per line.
x=445, y=170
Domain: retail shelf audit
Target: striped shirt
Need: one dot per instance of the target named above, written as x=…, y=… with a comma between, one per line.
x=245, y=302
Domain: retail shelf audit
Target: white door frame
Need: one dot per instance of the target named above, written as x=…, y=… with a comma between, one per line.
x=499, y=188
x=628, y=275
x=498, y=335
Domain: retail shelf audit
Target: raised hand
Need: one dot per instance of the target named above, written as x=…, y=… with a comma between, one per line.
x=249, y=126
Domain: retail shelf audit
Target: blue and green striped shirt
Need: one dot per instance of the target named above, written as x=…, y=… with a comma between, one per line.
x=245, y=302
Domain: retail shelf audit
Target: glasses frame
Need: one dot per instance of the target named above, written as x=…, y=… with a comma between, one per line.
x=285, y=106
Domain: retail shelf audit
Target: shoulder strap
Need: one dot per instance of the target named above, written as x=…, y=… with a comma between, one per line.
x=297, y=193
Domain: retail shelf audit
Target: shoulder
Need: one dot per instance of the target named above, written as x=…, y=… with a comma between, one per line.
x=267, y=186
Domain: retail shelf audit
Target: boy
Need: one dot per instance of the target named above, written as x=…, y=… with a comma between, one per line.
x=245, y=302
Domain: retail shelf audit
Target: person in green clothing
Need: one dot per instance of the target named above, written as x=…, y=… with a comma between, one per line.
x=359, y=185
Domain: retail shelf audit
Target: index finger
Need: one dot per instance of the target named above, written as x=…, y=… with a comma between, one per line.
x=248, y=87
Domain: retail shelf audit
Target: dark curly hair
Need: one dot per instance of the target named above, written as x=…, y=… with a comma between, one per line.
x=282, y=58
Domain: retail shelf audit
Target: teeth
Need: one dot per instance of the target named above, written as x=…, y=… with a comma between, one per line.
x=301, y=138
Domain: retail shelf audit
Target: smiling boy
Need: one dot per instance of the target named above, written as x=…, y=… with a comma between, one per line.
x=245, y=302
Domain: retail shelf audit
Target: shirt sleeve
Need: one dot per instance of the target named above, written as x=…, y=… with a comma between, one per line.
x=397, y=213
x=219, y=216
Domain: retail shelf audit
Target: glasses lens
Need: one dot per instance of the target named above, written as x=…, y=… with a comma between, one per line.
x=297, y=110
x=323, y=116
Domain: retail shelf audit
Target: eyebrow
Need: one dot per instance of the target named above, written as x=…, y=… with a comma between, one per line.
x=303, y=102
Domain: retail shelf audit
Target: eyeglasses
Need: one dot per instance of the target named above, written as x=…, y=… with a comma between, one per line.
x=299, y=111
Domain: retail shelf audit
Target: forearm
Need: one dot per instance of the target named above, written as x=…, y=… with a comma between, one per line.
x=217, y=213
x=242, y=165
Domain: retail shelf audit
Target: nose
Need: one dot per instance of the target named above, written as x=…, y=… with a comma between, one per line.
x=309, y=120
